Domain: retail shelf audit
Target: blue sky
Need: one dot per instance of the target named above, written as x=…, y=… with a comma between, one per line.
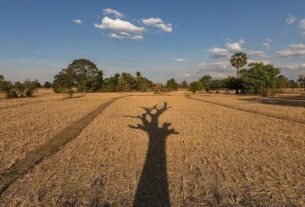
x=162, y=39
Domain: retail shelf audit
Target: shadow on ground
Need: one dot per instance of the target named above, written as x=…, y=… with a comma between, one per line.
x=152, y=189
x=277, y=101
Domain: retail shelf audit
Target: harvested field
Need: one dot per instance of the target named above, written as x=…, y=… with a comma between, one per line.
x=147, y=150
x=26, y=126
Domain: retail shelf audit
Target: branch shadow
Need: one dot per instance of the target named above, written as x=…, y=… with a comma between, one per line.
x=152, y=189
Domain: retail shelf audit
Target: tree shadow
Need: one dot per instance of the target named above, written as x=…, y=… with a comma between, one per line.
x=277, y=101
x=152, y=189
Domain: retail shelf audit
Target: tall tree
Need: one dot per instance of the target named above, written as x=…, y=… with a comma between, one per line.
x=259, y=76
x=238, y=60
x=206, y=80
x=301, y=81
x=172, y=84
x=82, y=74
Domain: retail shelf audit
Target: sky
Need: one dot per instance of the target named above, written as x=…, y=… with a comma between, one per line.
x=181, y=39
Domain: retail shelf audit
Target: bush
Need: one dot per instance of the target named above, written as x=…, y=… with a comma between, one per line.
x=196, y=86
x=266, y=92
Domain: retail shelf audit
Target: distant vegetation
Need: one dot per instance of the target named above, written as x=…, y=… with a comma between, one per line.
x=18, y=89
x=82, y=75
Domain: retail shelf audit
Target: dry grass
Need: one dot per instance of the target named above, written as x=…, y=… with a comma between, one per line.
x=272, y=107
x=220, y=156
x=28, y=123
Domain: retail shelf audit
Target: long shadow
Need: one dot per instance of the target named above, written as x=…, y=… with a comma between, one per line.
x=152, y=189
x=277, y=101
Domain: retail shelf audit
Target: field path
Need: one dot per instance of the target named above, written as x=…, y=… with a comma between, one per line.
x=22, y=166
x=171, y=151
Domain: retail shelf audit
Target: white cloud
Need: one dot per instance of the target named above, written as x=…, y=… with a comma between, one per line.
x=267, y=45
x=299, y=46
x=126, y=36
x=187, y=75
x=118, y=25
x=219, y=52
x=157, y=22
x=220, y=69
x=296, y=67
x=291, y=19
x=114, y=12
x=256, y=53
x=294, y=50
x=235, y=46
x=179, y=60
x=290, y=53
x=269, y=40
x=257, y=61
x=302, y=23
x=215, y=66
x=77, y=21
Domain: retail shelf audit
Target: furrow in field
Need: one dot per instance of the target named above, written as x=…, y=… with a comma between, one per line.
x=22, y=166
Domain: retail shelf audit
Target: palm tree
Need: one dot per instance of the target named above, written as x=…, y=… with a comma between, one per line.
x=138, y=80
x=238, y=60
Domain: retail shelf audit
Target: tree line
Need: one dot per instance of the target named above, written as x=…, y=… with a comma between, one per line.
x=253, y=78
x=82, y=75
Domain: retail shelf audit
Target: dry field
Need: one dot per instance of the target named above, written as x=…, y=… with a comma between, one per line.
x=156, y=150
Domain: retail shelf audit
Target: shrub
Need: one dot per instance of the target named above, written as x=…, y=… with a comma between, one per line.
x=196, y=86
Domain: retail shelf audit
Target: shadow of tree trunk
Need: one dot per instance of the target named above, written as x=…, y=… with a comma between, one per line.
x=152, y=189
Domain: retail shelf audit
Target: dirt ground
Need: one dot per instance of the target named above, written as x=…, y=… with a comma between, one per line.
x=159, y=150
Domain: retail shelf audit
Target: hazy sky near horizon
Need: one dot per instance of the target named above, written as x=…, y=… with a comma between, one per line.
x=184, y=39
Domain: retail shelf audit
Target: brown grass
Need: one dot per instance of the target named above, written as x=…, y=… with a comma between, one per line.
x=218, y=156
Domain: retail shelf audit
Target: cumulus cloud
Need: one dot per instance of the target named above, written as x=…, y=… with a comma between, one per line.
x=256, y=53
x=126, y=36
x=219, y=52
x=187, y=75
x=290, y=53
x=293, y=50
x=296, y=66
x=291, y=19
x=297, y=46
x=179, y=60
x=235, y=46
x=258, y=61
x=157, y=22
x=113, y=12
x=118, y=25
x=77, y=21
x=221, y=65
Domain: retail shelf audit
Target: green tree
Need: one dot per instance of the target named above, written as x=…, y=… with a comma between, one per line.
x=238, y=60
x=206, y=80
x=126, y=81
x=6, y=87
x=234, y=83
x=183, y=84
x=282, y=82
x=301, y=81
x=138, y=80
x=81, y=74
x=172, y=84
x=196, y=86
x=216, y=85
x=259, y=77
x=47, y=84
